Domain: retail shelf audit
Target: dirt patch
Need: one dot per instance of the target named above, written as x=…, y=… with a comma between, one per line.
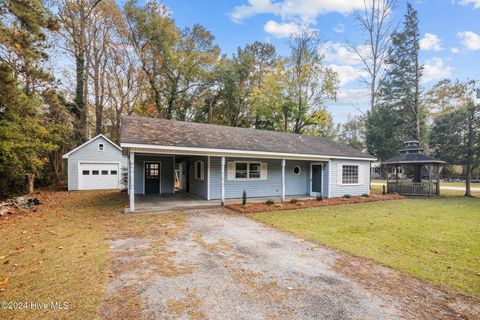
x=139, y=253
x=311, y=203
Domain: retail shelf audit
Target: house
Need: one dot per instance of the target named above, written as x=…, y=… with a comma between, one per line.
x=96, y=164
x=214, y=162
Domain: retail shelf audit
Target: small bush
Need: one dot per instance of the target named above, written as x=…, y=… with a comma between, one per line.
x=365, y=195
x=384, y=190
x=293, y=201
x=319, y=197
x=270, y=202
x=347, y=196
x=244, y=198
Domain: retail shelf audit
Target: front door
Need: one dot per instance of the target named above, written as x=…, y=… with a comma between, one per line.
x=152, y=177
x=316, y=180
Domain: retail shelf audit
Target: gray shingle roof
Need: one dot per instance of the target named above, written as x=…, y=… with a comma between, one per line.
x=411, y=158
x=162, y=132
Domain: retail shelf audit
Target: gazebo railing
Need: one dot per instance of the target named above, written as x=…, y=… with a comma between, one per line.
x=409, y=188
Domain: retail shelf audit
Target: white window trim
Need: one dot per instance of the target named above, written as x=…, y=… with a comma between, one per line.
x=202, y=170
x=299, y=170
x=248, y=171
x=103, y=147
x=340, y=176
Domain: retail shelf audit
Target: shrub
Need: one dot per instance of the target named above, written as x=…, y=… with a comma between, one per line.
x=319, y=197
x=347, y=196
x=270, y=202
x=293, y=201
x=244, y=198
x=365, y=195
x=384, y=190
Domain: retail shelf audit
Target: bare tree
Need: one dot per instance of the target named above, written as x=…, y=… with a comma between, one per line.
x=375, y=20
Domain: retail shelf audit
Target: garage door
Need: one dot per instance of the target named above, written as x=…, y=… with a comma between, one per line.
x=98, y=176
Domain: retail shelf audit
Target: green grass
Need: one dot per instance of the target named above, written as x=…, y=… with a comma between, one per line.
x=445, y=184
x=435, y=239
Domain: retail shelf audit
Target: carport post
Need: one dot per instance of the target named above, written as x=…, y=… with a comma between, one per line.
x=283, y=180
x=223, y=180
x=131, y=180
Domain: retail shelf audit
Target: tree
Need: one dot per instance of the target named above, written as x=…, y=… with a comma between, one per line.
x=24, y=138
x=311, y=83
x=445, y=96
x=456, y=138
x=376, y=22
x=399, y=114
x=352, y=133
x=75, y=17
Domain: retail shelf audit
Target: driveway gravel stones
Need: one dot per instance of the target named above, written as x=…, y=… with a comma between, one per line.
x=235, y=268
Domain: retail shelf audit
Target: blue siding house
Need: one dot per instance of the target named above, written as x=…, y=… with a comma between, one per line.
x=214, y=162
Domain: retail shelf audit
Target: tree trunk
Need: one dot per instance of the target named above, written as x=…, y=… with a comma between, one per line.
x=30, y=181
x=468, y=191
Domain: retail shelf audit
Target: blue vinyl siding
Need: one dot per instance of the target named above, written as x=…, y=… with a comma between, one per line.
x=90, y=153
x=272, y=186
x=166, y=172
x=339, y=190
x=198, y=187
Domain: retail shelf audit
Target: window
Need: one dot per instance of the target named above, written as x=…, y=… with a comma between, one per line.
x=95, y=172
x=248, y=170
x=152, y=170
x=254, y=169
x=296, y=170
x=85, y=172
x=199, y=170
x=349, y=174
x=113, y=172
x=100, y=147
x=241, y=170
x=104, y=172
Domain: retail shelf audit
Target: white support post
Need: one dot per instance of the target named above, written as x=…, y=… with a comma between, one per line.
x=223, y=180
x=283, y=180
x=132, y=184
x=208, y=178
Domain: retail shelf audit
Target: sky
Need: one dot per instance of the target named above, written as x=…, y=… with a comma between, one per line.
x=449, y=30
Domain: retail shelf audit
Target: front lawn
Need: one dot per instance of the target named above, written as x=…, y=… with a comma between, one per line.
x=436, y=239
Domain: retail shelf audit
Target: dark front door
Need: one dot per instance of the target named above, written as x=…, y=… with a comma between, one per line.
x=152, y=177
x=316, y=179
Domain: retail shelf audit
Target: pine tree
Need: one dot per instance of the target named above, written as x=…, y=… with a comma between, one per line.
x=399, y=96
x=24, y=136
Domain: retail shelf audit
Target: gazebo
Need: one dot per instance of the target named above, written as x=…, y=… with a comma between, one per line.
x=413, y=173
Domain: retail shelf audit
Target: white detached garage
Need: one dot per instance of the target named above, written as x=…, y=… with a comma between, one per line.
x=96, y=164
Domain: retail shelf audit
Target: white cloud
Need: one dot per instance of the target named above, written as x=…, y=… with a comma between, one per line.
x=454, y=50
x=282, y=30
x=339, y=28
x=348, y=74
x=305, y=10
x=352, y=96
x=430, y=42
x=435, y=69
x=470, y=40
x=340, y=53
x=475, y=3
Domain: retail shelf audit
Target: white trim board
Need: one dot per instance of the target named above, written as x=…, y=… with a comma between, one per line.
x=231, y=153
x=65, y=156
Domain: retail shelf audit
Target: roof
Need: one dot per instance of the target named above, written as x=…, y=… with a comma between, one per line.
x=137, y=131
x=412, y=158
x=66, y=155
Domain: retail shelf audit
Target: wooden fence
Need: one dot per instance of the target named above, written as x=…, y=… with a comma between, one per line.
x=409, y=188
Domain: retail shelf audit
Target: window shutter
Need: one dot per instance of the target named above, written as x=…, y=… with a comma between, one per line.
x=263, y=173
x=231, y=170
x=361, y=174
x=339, y=173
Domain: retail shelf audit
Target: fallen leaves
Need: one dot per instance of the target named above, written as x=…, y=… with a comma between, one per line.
x=4, y=282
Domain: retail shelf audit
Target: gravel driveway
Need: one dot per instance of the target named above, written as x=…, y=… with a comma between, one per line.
x=223, y=265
